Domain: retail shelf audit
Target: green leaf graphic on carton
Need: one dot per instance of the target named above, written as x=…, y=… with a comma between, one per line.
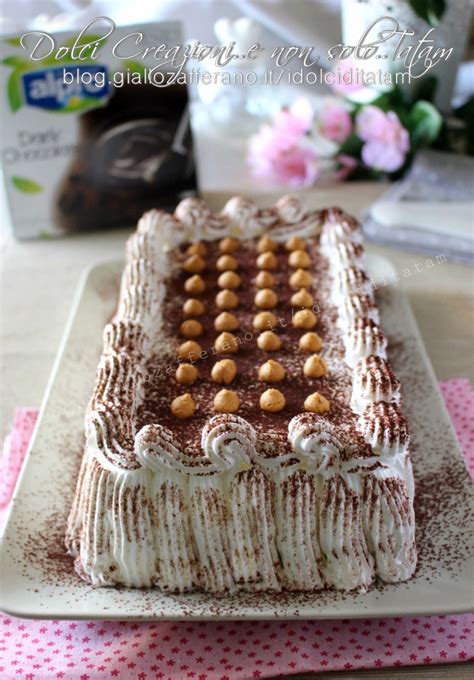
x=26, y=186
x=15, y=62
x=14, y=94
x=21, y=65
x=134, y=66
x=14, y=91
x=75, y=107
x=15, y=42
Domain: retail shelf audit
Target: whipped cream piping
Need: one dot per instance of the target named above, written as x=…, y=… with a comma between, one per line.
x=112, y=410
x=157, y=450
x=384, y=427
x=290, y=209
x=348, y=562
x=353, y=307
x=198, y=220
x=253, y=532
x=364, y=338
x=338, y=227
x=174, y=552
x=389, y=522
x=296, y=512
x=315, y=441
x=210, y=524
x=162, y=232
x=387, y=489
x=127, y=336
x=245, y=219
x=348, y=254
x=373, y=380
x=351, y=281
x=242, y=218
x=229, y=442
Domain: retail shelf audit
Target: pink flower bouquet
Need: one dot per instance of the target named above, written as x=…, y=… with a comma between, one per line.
x=341, y=139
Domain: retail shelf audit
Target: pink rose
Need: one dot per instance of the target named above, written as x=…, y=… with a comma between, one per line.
x=296, y=167
x=293, y=122
x=386, y=140
x=382, y=156
x=277, y=152
x=264, y=147
x=271, y=157
x=371, y=123
x=346, y=77
x=335, y=123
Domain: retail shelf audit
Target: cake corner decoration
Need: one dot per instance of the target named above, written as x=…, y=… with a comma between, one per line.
x=245, y=431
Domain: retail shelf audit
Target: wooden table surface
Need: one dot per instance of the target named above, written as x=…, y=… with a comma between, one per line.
x=39, y=280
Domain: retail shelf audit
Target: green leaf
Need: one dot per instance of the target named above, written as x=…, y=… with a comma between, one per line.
x=134, y=66
x=424, y=123
x=430, y=11
x=426, y=89
x=14, y=92
x=25, y=185
x=15, y=62
x=15, y=42
x=352, y=146
x=436, y=11
x=382, y=102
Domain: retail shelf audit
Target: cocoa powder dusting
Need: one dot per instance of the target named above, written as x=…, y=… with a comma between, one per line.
x=160, y=384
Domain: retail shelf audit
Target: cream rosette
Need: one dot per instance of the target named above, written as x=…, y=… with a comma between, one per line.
x=355, y=307
x=245, y=218
x=363, y=338
x=161, y=232
x=198, y=220
x=158, y=450
x=298, y=221
x=316, y=442
x=351, y=281
x=373, y=380
x=109, y=435
x=157, y=233
x=229, y=442
x=383, y=426
x=338, y=227
x=290, y=209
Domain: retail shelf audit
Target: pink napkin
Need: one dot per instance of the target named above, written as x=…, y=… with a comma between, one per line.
x=36, y=650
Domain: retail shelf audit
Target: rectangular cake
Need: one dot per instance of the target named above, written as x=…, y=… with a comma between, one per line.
x=245, y=431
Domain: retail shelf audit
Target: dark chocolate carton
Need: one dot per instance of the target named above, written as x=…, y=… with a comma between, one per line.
x=91, y=142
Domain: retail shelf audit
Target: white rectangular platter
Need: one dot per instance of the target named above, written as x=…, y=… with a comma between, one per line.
x=38, y=579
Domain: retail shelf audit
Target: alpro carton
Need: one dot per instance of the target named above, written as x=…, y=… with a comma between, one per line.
x=91, y=137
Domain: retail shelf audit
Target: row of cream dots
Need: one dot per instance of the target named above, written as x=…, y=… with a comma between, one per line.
x=224, y=371
x=305, y=318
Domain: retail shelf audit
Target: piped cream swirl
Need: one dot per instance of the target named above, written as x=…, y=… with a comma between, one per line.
x=373, y=380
